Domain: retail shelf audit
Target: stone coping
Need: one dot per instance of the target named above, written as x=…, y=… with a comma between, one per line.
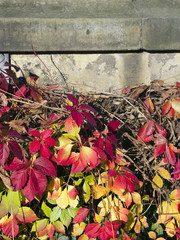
x=89, y=25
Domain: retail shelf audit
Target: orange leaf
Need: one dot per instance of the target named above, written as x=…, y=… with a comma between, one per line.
x=137, y=227
x=71, y=127
x=152, y=234
x=175, y=194
x=166, y=107
x=98, y=191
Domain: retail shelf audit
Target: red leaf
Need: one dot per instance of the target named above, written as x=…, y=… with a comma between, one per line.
x=15, y=148
x=22, y=91
x=160, y=129
x=10, y=227
x=150, y=128
x=45, y=151
x=159, y=150
x=111, y=229
x=120, y=182
x=112, y=173
x=149, y=104
x=109, y=150
x=166, y=107
x=19, y=179
x=81, y=215
x=16, y=164
x=72, y=193
x=15, y=134
x=130, y=185
x=35, y=133
x=47, y=133
x=45, y=166
x=92, y=230
x=103, y=234
x=89, y=118
x=77, y=166
x=50, y=141
x=63, y=155
x=73, y=99
x=77, y=117
x=178, y=84
x=34, y=146
x=113, y=125
x=4, y=153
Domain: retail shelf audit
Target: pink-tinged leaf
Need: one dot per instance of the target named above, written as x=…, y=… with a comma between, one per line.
x=81, y=215
x=15, y=148
x=160, y=139
x=52, y=117
x=73, y=100
x=63, y=154
x=45, y=151
x=34, y=146
x=16, y=164
x=150, y=128
x=173, y=148
x=149, y=104
x=119, y=183
x=87, y=107
x=177, y=167
x=10, y=227
x=73, y=193
x=22, y=91
x=111, y=137
x=88, y=156
x=77, y=117
x=50, y=141
x=103, y=234
x=92, y=230
x=71, y=127
x=170, y=156
x=35, y=133
x=77, y=167
x=26, y=215
x=19, y=179
x=101, y=154
x=45, y=166
x=59, y=227
x=160, y=129
x=50, y=230
x=46, y=133
x=113, y=125
x=109, y=150
x=4, y=153
x=112, y=173
x=90, y=118
x=166, y=107
x=159, y=150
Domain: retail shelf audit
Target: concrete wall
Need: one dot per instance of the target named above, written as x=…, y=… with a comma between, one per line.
x=102, y=72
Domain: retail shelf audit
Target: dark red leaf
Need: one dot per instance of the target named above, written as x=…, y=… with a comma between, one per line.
x=35, y=133
x=22, y=91
x=109, y=150
x=86, y=106
x=15, y=134
x=69, y=108
x=19, y=179
x=112, y=173
x=4, y=153
x=16, y=164
x=77, y=117
x=113, y=125
x=45, y=166
x=81, y=214
x=73, y=100
x=15, y=148
x=90, y=118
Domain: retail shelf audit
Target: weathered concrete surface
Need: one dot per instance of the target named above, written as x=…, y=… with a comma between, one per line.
x=102, y=72
x=89, y=25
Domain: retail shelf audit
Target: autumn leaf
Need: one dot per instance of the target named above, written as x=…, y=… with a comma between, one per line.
x=81, y=215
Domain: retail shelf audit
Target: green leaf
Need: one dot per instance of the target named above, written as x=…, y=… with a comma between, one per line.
x=72, y=211
x=89, y=179
x=78, y=182
x=4, y=206
x=55, y=214
x=13, y=201
x=39, y=224
x=46, y=209
x=65, y=217
x=159, y=230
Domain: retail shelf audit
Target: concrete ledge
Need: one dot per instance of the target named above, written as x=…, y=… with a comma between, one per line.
x=89, y=25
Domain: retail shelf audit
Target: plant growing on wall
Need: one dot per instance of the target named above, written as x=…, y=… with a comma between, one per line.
x=72, y=168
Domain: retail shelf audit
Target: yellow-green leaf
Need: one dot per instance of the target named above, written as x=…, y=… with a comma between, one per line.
x=158, y=181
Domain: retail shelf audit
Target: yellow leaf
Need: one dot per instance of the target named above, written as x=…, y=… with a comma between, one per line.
x=83, y=237
x=63, y=141
x=175, y=194
x=63, y=200
x=158, y=181
x=78, y=229
x=98, y=191
x=152, y=234
x=176, y=105
x=164, y=212
x=74, y=202
x=171, y=228
x=164, y=173
x=144, y=222
x=98, y=218
x=136, y=197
